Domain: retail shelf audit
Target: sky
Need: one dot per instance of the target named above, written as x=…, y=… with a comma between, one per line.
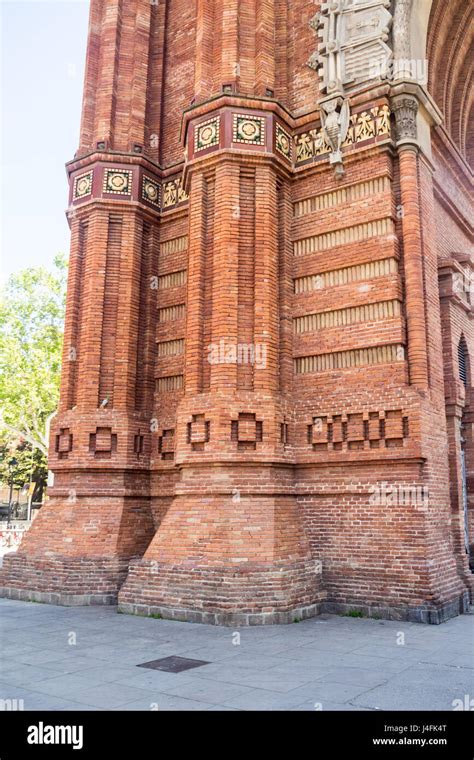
x=42, y=57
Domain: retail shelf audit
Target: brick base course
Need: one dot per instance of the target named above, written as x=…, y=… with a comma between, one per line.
x=63, y=580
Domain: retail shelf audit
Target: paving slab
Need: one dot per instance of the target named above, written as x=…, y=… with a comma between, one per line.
x=325, y=663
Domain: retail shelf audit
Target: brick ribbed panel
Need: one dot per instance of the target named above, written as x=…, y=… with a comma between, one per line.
x=246, y=276
x=73, y=321
x=109, y=319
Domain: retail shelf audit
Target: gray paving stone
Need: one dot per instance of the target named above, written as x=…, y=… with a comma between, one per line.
x=462, y=661
x=394, y=665
x=44, y=657
x=211, y=653
x=459, y=679
x=314, y=658
x=205, y=690
x=260, y=699
x=166, y=703
x=64, y=685
x=73, y=664
x=415, y=696
x=12, y=691
x=358, y=676
x=323, y=691
x=270, y=680
x=25, y=675
x=228, y=671
x=157, y=680
x=328, y=707
x=113, y=695
x=35, y=701
x=389, y=651
x=335, y=662
x=254, y=661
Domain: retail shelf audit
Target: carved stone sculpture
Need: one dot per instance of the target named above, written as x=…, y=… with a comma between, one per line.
x=353, y=47
x=405, y=109
x=335, y=114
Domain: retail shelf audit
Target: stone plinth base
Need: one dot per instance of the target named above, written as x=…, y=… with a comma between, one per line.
x=431, y=614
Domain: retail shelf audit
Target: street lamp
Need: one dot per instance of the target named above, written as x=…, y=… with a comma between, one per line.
x=11, y=468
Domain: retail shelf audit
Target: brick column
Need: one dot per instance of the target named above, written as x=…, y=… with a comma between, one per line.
x=224, y=321
x=98, y=514
x=231, y=548
x=406, y=109
x=413, y=268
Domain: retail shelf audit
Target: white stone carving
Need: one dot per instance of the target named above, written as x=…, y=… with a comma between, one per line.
x=353, y=48
x=335, y=115
x=405, y=108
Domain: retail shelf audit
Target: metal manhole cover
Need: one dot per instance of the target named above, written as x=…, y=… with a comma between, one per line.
x=173, y=664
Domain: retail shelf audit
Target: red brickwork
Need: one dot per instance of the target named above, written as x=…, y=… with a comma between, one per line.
x=261, y=404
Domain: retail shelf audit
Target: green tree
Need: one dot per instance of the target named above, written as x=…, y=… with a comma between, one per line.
x=31, y=333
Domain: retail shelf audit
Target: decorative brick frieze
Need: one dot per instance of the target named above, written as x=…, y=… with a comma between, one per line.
x=82, y=186
x=344, y=236
x=127, y=183
x=335, y=277
x=364, y=431
x=170, y=347
x=117, y=182
x=171, y=313
x=170, y=383
x=247, y=129
x=151, y=191
x=172, y=280
x=206, y=134
x=263, y=132
x=175, y=245
x=365, y=128
x=339, y=196
x=234, y=130
x=283, y=142
x=173, y=194
x=353, y=315
x=360, y=357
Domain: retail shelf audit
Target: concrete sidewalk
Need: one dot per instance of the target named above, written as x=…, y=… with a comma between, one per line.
x=57, y=658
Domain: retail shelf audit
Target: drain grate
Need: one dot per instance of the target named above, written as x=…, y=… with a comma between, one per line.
x=173, y=664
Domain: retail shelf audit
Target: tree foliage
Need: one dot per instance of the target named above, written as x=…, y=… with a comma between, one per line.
x=31, y=332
